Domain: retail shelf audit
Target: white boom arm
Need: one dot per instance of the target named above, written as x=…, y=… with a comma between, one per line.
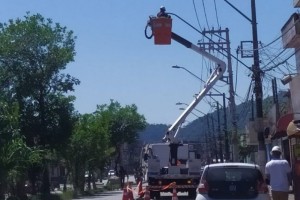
x=214, y=77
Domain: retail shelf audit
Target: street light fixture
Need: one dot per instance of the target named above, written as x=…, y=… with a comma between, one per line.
x=197, y=77
x=180, y=103
x=191, y=112
x=179, y=67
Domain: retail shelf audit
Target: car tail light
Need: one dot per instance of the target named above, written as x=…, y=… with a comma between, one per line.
x=203, y=187
x=262, y=187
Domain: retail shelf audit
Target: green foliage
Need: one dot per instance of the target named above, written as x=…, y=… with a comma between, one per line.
x=89, y=146
x=33, y=52
x=15, y=158
x=68, y=195
x=125, y=122
x=113, y=184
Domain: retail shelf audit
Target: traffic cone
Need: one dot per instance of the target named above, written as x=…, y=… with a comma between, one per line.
x=125, y=193
x=140, y=190
x=147, y=194
x=174, y=195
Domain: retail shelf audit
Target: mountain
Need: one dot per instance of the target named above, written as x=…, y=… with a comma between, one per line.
x=208, y=124
x=153, y=133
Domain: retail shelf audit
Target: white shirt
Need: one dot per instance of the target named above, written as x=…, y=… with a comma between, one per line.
x=278, y=170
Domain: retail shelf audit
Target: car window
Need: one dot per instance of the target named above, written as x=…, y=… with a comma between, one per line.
x=233, y=182
x=233, y=174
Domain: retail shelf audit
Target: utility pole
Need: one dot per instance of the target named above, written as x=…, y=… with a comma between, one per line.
x=208, y=142
x=261, y=158
x=214, y=140
x=258, y=85
x=219, y=134
x=227, y=155
x=224, y=45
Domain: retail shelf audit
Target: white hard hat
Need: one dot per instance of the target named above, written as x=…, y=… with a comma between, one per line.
x=276, y=148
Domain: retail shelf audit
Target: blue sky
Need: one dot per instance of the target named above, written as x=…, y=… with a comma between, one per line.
x=115, y=60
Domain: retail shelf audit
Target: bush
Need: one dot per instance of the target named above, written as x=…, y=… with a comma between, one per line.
x=67, y=195
x=112, y=184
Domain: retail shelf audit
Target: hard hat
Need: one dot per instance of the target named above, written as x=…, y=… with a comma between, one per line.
x=162, y=8
x=276, y=148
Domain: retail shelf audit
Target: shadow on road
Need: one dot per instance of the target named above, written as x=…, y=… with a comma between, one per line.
x=101, y=195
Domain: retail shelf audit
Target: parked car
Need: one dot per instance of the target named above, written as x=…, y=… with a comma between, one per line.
x=111, y=173
x=232, y=181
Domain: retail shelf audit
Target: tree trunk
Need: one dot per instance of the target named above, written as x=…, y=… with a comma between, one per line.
x=32, y=173
x=20, y=190
x=46, y=185
x=2, y=191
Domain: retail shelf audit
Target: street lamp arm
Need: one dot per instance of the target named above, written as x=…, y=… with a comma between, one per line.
x=197, y=49
x=197, y=77
x=214, y=77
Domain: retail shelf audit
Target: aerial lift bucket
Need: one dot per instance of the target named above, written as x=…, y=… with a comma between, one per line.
x=162, y=29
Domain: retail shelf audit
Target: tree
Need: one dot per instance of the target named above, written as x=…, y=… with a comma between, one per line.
x=15, y=155
x=15, y=158
x=124, y=124
x=89, y=147
x=33, y=52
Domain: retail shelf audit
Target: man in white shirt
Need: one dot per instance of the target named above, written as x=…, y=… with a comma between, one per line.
x=278, y=173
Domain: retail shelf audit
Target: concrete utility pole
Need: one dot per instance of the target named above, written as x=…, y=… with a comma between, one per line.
x=219, y=134
x=223, y=45
x=258, y=85
x=227, y=154
x=261, y=158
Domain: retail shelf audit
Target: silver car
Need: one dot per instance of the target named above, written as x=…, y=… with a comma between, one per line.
x=226, y=181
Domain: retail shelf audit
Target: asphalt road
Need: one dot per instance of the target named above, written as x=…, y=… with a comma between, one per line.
x=118, y=194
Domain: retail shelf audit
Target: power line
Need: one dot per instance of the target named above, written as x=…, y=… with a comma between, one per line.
x=197, y=15
x=205, y=14
x=216, y=11
x=280, y=63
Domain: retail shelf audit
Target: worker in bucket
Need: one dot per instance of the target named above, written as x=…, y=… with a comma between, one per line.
x=162, y=12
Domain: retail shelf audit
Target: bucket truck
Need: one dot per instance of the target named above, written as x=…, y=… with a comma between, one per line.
x=171, y=161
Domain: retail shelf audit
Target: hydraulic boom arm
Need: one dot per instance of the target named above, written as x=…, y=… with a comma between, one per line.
x=214, y=77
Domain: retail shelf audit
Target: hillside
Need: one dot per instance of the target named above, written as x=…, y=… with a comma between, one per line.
x=195, y=131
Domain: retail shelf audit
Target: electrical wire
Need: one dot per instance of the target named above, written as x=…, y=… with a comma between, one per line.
x=280, y=63
x=197, y=15
x=204, y=9
x=210, y=40
x=279, y=37
x=216, y=11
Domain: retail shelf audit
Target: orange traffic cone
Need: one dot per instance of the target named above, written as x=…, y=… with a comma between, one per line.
x=140, y=190
x=174, y=195
x=147, y=194
x=125, y=193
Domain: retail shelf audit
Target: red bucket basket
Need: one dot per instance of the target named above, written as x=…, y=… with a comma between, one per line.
x=162, y=29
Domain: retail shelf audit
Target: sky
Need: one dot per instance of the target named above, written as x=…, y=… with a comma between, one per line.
x=115, y=61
